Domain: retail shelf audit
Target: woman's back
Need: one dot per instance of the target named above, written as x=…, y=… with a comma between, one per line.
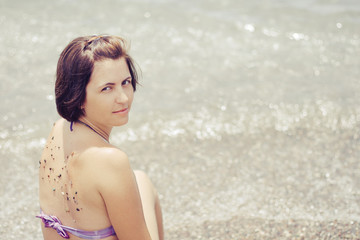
x=67, y=188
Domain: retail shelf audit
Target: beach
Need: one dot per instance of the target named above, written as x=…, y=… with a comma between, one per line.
x=247, y=118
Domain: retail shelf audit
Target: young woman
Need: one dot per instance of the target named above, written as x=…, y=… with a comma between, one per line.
x=87, y=188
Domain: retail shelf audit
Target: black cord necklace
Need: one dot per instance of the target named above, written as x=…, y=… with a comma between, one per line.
x=87, y=125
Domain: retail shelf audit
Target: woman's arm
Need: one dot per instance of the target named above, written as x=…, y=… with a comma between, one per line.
x=117, y=186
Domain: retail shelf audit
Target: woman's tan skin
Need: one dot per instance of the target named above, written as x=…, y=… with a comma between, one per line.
x=87, y=182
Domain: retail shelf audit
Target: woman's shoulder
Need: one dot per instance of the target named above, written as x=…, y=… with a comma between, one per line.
x=108, y=154
x=56, y=127
x=103, y=160
x=107, y=166
x=59, y=123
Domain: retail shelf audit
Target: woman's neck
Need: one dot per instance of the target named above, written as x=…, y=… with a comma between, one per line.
x=105, y=134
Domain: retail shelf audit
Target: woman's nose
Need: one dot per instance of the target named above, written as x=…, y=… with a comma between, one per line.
x=121, y=97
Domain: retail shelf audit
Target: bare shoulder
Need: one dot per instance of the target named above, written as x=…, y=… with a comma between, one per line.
x=56, y=127
x=106, y=165
x=104, y=158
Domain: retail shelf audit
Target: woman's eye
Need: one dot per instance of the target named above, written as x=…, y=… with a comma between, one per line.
x=106, y=89
x=126, y=82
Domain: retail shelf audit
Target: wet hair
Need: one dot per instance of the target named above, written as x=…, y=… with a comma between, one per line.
x=75, y=66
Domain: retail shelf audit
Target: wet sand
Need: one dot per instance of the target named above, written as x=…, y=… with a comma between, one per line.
x=240, y=228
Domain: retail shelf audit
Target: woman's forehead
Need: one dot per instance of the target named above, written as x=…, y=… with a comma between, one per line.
x=110, y=69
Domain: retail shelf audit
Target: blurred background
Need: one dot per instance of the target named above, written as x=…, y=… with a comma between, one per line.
x=247, y=120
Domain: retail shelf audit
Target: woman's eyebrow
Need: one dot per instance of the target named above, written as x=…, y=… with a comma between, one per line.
x=107, y=84
x=113, y=83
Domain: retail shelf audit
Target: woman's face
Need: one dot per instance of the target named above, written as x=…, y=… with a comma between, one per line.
x=109, y=93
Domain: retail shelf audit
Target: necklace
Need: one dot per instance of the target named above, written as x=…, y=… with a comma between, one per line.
x=101, y=135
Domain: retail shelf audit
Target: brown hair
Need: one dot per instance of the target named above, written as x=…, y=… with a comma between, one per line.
x=75, y=66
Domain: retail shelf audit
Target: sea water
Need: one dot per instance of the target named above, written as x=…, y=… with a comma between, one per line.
x=246, y=108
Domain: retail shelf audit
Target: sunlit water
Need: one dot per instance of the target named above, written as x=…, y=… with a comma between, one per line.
x=247, y=108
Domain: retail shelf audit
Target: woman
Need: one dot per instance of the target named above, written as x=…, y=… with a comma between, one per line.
x=87, y=188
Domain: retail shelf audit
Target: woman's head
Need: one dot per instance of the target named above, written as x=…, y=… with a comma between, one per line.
x=75, y=66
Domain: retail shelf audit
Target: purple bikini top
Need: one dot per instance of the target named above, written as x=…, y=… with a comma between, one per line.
x=54, y=222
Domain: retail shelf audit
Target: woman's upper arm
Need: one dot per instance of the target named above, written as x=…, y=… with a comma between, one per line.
x=118, y=188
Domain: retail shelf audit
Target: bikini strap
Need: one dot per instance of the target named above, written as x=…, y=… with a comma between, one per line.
x=54, y=223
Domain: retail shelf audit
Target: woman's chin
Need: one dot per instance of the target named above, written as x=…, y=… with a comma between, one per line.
x=121, y=123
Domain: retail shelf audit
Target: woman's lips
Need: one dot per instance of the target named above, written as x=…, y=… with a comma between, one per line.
x=125, y=110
